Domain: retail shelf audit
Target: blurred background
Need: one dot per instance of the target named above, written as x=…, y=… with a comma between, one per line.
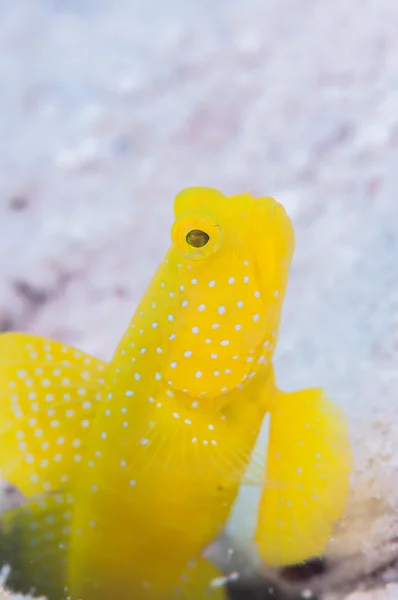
x=109, y=107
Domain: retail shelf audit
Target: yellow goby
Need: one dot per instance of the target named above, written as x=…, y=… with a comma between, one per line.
x=130, y=468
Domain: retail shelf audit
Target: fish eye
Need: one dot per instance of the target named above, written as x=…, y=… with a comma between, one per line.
x=196, y=234
x=197, y=238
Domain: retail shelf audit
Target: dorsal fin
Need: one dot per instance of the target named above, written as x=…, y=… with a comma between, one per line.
x=48, y=393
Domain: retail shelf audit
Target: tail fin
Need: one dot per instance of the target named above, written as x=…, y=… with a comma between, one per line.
x=307, y=477
x=48, y=393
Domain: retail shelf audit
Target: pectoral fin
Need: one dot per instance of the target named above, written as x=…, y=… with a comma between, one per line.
x=307, y=477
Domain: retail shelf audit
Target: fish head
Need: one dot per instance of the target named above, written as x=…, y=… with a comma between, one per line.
x=224, y=280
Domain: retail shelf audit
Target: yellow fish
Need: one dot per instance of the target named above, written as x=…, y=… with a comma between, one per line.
x=130, y=468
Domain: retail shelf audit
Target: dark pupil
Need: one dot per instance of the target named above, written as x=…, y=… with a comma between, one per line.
x=197, y=238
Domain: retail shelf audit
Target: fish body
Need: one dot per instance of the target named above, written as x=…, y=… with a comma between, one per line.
x=140, y=460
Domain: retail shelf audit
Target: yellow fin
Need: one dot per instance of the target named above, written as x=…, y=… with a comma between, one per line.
x=48, y=393
x=34, y=544
x=308, y=469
